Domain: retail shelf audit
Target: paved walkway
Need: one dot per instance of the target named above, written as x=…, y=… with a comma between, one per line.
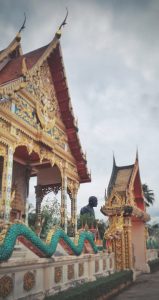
x=146, y=287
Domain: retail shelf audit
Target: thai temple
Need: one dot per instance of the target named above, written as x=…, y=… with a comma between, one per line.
x=125, y=207
x=38, y=131
x=39, y=138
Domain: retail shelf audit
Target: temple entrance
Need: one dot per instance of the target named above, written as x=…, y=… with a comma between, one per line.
x=24, y=164
x=22, y=171
x=49, y=181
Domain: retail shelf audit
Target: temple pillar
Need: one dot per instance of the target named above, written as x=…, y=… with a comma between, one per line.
x=73, y=215
x=74, y=208
x=64, y=202
x=7, y=183
x=75, y=212
x=2, y=163
x=129, y=255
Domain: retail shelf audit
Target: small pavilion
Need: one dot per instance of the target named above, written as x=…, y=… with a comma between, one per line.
x=125, y=208
x=38, y=131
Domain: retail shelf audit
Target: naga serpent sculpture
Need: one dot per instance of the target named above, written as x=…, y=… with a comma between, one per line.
x=25, y=235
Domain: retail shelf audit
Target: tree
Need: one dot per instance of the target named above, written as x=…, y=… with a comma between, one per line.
x=101, y=228
x=148, y=195
x=50, y=216
x=87, y=219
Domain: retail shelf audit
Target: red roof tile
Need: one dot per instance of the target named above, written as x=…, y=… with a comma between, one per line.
x=13, y=69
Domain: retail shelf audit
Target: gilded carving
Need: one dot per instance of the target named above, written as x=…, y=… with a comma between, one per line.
x=5, y=102
x=25, y=140
x=3, y=150
x=127, y=253
x=46, y=111
x=70, y=272
x=25, y=111
x=13, y=86
x=59, y=137
x=42, y=90
x=80, y=269
x=6, y=286
x=119, y=257
x=58, y=274
x=4, y=125
x=70, y=185
x=28, y=281
x=72, y=169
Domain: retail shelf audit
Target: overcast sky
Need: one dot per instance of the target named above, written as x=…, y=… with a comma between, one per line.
x=111, y=55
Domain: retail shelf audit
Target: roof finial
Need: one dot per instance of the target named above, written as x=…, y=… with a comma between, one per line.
x=64, y=21
x=58, y=33
x=114, y=162
x=105, y=195
x=23, y=25
x=137, y=154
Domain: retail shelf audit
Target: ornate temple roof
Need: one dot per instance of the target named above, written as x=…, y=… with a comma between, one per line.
x=124, y=193
x=120, y=178
x=14, y=67
x=18, y=66
x=13, y=50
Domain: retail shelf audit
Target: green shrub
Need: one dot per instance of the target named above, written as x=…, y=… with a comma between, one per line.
x=95, y=289
x=154, y=265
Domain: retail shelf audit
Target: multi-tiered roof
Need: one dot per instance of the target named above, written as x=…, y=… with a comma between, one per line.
x=16, y=67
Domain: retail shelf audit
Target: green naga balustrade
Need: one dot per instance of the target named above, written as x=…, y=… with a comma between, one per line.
x=21, y=232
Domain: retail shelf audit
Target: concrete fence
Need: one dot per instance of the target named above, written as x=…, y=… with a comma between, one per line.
x=151, y=254
x=36, y=278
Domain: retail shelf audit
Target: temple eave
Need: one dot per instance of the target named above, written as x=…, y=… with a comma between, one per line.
x=127, y=210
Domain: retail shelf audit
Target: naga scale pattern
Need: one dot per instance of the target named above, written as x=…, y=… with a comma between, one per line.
x=21, y=232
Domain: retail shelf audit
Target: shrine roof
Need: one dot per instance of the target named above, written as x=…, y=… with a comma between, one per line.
x=13, y=50
x=120, y=178
x=13, y=70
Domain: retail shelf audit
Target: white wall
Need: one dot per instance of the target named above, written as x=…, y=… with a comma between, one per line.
x=101, y=264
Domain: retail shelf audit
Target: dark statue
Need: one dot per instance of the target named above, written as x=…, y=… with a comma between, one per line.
x=88, y=209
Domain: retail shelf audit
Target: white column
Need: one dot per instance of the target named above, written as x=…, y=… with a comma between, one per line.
x=2, y=183
x=64, y=202
x=74, y=207
x=73, y=215
x=75, y=212
x=8, y=184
